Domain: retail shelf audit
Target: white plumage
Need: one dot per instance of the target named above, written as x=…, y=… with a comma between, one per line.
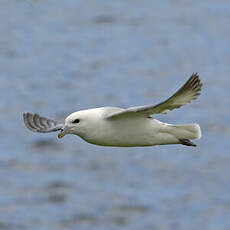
x=114, y=126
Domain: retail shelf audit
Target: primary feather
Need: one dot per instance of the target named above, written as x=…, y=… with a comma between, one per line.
x=36, y=123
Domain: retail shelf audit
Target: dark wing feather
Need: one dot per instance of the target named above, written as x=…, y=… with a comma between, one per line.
x=36, y=123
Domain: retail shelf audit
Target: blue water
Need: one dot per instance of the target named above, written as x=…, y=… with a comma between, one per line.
x=57, y=57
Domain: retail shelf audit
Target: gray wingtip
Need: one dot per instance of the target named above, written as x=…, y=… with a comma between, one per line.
x=195, y=79
x=27, y=120
x=36, y=123
x=196, y=84
x=193, y=86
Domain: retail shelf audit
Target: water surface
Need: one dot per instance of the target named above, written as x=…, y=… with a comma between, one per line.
x=57, y=57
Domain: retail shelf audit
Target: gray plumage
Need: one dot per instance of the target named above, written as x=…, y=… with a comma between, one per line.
x=36, y=123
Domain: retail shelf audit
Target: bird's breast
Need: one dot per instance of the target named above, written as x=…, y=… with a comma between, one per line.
x=124, y=133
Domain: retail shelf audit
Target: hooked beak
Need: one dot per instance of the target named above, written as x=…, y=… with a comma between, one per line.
x=62, y=133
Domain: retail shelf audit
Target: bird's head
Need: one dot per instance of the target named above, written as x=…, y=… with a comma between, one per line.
x=80, y=123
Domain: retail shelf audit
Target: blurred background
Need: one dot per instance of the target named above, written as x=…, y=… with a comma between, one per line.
x=57, y=57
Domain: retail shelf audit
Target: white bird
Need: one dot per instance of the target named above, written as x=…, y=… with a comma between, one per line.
x=134, y=126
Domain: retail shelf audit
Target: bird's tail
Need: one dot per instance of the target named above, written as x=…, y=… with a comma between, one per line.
x=189, y=131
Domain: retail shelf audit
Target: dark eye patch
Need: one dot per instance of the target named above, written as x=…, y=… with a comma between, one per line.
x=76, y=121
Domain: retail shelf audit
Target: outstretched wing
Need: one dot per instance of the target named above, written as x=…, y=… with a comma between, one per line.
x=36, y=123
x=187, y=93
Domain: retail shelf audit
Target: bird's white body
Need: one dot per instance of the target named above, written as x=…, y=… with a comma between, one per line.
x=127, y=131
x=134, y=126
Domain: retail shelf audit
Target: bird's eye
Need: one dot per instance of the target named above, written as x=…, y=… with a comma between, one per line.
x=76, y=121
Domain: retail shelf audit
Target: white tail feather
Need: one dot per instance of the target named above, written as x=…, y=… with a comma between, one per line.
x=189, y=131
